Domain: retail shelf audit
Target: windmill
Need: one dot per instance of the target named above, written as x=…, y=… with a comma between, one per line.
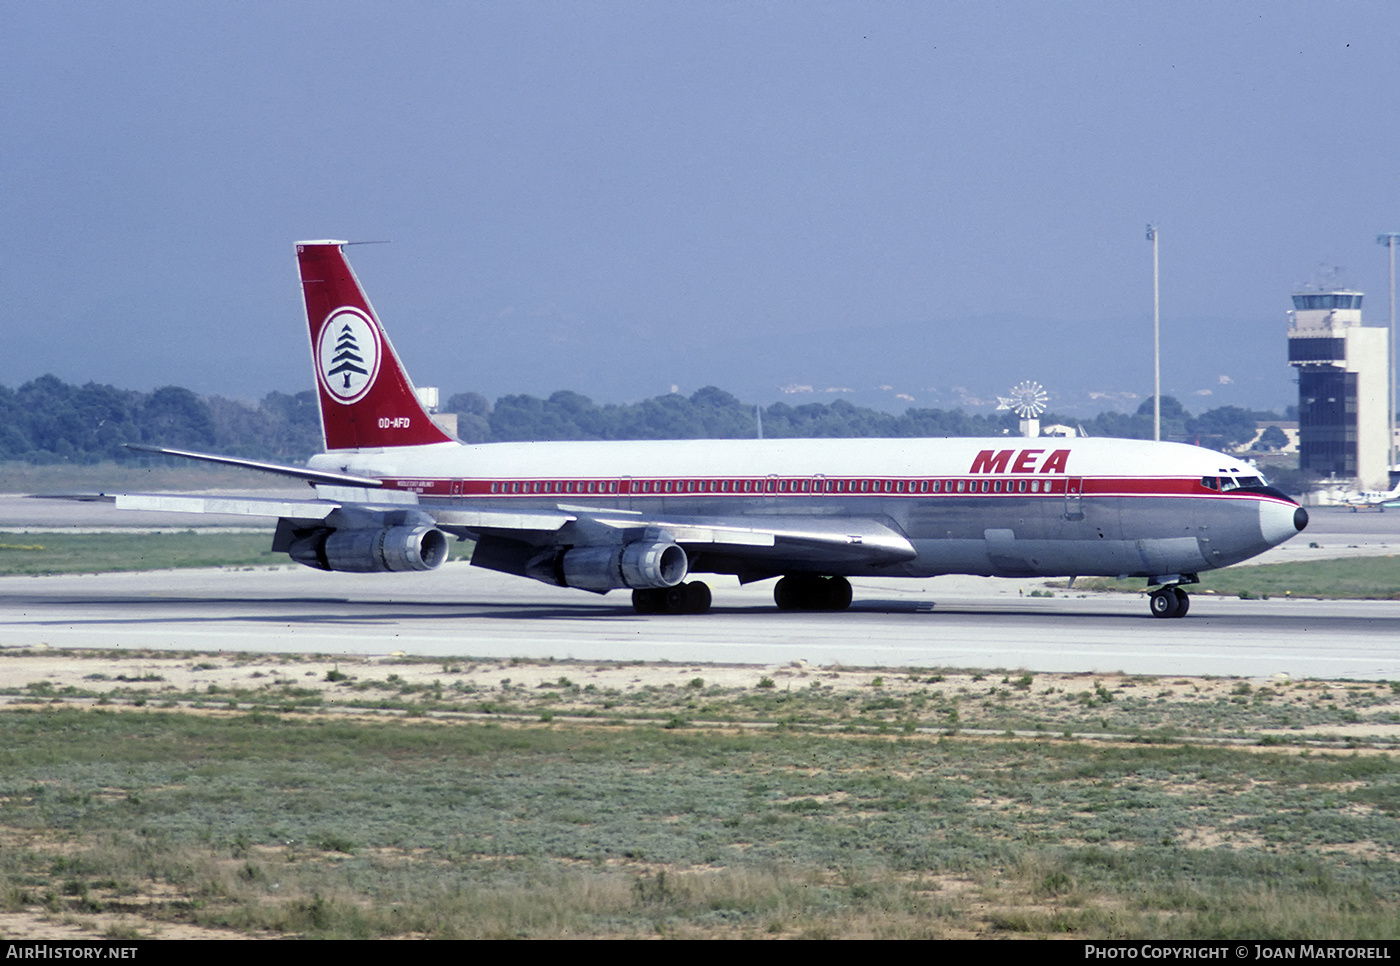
x=1028, y=400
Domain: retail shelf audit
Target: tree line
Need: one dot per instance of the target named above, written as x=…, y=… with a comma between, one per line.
x=712, y=413
x=48, y=420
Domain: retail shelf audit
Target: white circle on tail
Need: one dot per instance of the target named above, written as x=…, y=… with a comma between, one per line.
x=347, y=355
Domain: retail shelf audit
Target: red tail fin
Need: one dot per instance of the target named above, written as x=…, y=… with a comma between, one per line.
x=367, y=401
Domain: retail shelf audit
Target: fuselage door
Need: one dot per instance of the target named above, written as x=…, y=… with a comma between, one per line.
x=1074, y=498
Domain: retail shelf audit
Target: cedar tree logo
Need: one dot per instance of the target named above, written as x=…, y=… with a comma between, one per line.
x=347, y=355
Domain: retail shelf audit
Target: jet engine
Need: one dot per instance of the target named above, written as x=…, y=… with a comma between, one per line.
x=371, y=550
x=639, y=565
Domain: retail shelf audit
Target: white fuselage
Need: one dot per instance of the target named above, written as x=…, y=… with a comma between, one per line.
x=1005, y=506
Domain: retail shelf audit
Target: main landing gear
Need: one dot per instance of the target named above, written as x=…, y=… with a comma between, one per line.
x=690, y=598
x=811, y=592
x=1169, y=602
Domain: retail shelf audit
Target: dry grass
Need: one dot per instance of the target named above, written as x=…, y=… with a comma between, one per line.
x=295, y=796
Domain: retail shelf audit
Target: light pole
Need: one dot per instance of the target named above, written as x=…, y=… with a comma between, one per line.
x=1388, y=240
x=1157, y=340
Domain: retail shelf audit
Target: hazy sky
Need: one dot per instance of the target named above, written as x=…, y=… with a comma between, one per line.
x=941, y=198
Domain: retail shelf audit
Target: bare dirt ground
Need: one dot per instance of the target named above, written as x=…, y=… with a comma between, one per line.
x=351, y=685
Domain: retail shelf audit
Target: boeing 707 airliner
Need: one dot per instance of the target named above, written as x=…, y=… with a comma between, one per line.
x=392, y=487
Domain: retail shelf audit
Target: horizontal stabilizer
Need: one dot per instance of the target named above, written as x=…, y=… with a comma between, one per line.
x=75, y=497
x=297, y=472
x=249, y=506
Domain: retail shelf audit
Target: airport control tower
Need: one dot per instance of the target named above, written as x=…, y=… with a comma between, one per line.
x=1342, y=387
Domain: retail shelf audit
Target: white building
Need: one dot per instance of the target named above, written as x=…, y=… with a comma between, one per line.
x=1343, y=392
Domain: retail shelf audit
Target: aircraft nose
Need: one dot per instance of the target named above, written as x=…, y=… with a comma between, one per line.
x=1278, y=521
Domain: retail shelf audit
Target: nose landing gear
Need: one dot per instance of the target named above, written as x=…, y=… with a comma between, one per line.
x=1169, y=602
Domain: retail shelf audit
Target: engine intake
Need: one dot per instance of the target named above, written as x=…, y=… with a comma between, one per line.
x=369, y=551
x=639, y=565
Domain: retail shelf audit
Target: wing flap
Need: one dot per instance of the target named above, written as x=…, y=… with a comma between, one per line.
x=853, y=536
x=531, y=520
x=722, y=535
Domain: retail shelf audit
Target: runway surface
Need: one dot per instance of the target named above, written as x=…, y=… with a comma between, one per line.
x=461, y=610
x=947, y=621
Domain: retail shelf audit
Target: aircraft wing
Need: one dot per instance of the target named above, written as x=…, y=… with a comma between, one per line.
x=747, y=543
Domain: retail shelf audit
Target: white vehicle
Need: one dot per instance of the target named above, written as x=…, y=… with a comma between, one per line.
x=392, y=488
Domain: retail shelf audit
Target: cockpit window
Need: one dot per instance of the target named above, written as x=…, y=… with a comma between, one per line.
x=1251, y=481
x=1210, y=482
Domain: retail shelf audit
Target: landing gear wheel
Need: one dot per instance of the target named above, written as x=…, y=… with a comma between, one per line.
x=812, y=592
x=647, y=601
x=691, y=598
x=1169, y=602
x=787, y=594
x=697, y=597
x=1163, y=603
x=674, y=599
x=1183, y=602
x=838, y=590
